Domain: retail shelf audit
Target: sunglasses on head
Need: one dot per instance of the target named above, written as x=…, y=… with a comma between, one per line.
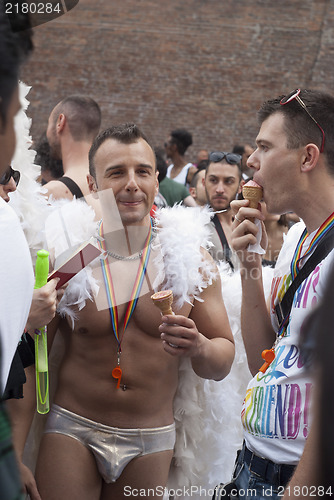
x=231, y=158
x=10, y=172
x=294, y=96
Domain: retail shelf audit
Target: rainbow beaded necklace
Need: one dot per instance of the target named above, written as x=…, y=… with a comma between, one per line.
x=113, y=310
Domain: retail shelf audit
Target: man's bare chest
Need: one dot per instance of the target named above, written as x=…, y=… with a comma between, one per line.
x=97, y=318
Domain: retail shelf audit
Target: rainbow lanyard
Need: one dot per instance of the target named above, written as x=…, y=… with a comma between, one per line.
x=322, y=231
x=294, y=268
x=113, y=310
x=269, y=354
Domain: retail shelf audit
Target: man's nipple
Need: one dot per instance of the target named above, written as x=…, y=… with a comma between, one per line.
x=83, y=330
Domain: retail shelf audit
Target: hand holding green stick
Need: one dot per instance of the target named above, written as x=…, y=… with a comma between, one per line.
x=41, y=348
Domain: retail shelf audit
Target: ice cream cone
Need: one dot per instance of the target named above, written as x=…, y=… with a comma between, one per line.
x=252, y=192
x=163, y=300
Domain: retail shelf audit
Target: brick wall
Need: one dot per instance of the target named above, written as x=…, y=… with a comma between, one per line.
x=201, y=64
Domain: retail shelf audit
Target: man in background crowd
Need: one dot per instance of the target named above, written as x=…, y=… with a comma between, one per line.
x=16, y=274
x=222, y=184
x=73, y=124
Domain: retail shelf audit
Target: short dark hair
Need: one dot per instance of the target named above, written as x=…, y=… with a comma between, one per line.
x=202, y=165
x=194, y=180
x=126, y=133
x=300, y=129
x=161, y=165
x=182, y=138
x=15, y=46
x=83, y=115
x=238, y=149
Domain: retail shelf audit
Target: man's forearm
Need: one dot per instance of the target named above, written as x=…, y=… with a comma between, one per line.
x=256, y=328
x=22, y=411
x=216, y=359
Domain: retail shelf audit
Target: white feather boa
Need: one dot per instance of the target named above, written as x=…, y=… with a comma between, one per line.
x=207, y=413
x=70, y=224
x=28, y=201
x=180, y=263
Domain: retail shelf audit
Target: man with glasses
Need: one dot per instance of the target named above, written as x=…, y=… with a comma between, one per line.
x=9, y=182
x=16, y=275
x=294, y=164
x=43, y=309
x=222, y=184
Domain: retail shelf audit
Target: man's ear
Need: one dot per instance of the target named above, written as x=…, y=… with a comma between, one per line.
x=61, y=122
x=192, y=191
x=310, y=157
x=92, y=186
x=156, y=182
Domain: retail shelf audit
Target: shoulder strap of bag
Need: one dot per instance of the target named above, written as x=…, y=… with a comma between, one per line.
x=72, y=186
x=222, y=237
x=283, y=308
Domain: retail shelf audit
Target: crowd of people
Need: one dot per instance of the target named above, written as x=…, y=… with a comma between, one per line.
x=146, y=402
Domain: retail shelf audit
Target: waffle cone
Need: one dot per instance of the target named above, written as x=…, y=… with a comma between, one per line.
x=253, y=194
x=163, y=300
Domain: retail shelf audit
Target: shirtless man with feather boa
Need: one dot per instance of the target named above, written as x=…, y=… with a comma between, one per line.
x=101, y=438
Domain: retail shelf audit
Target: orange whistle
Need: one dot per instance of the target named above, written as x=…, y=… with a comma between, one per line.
x=268, y=355
x=117, y=374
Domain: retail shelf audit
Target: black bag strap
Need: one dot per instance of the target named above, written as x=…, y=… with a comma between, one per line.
x=326, y=244
x=72, y=186
x=222, y=237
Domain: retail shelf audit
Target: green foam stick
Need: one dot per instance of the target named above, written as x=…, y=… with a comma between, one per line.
x=41, y=268
x=41, y=350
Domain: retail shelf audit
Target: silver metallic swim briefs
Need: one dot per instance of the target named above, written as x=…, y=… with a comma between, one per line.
x=113, y=448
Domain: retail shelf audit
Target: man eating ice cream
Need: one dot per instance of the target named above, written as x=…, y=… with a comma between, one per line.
x=294, y=165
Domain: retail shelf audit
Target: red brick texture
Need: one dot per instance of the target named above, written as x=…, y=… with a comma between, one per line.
x=205, y=65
